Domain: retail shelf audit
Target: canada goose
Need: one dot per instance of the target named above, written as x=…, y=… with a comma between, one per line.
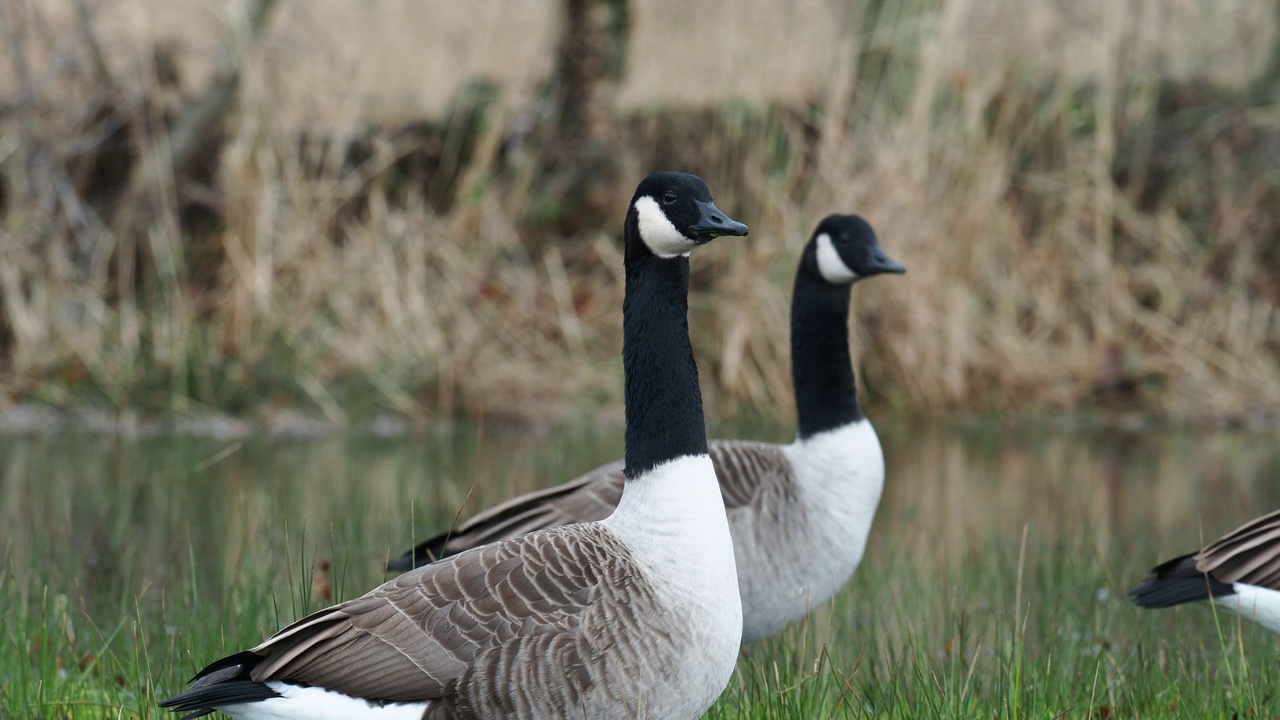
x=1239, y=573
x=634, y=616
x=799, y=513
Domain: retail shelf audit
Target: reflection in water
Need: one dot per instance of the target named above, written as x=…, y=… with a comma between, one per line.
x=104, y=519
x=949, y=489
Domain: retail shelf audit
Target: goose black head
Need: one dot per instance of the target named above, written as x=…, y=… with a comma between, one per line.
x=844, y=249
x=673, y=214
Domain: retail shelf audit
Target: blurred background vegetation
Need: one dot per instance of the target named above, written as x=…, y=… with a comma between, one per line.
x=414, y=208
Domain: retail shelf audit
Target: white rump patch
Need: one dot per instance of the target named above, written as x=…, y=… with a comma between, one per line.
x=1251, y=602
x=297, y=702
x=830, y=265
x=657, y=231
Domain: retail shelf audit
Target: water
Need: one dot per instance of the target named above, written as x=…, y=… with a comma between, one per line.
x=1166, y=490
x=103, y=519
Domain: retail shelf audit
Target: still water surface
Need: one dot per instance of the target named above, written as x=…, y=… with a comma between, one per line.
x=104, y=519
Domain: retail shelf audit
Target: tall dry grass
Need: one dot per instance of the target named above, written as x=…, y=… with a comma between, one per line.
x=1084, y=194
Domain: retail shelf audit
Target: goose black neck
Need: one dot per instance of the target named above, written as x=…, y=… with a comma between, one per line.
x=663, y=401
x=821, y=368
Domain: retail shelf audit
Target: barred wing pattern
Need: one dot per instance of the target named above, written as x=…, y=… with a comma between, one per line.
x=588, y=498
x=553, y=613
x=1249, y=554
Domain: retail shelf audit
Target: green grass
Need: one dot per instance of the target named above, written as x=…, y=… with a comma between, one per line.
x=128, y=565
x=974, y=642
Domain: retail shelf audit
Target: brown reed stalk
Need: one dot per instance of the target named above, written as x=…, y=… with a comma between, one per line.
x=1075, y=242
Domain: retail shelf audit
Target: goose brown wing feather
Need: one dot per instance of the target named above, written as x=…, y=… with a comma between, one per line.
x=741, y=467
x=587, y=498
x=1249, y=554
x=744, y=469
x=417, y=636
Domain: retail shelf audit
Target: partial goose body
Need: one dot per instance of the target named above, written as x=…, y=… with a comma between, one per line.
x=634, y=616
x=1239, y=573
x=803, y=547
x=800, y=514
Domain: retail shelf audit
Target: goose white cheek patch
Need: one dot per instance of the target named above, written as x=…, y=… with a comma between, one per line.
x=830, y=265
x=657, y=231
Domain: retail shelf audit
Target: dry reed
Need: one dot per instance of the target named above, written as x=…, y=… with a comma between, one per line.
x=1084, y=196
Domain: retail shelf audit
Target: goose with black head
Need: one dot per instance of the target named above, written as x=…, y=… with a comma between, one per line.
x=636, y=615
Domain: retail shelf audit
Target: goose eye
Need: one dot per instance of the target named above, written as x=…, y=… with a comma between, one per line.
x=668, y=197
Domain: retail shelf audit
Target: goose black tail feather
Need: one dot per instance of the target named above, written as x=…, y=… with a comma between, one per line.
x=224, y=682
x=1176, y=582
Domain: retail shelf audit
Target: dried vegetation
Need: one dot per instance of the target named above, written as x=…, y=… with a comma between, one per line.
x=1086, y=197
